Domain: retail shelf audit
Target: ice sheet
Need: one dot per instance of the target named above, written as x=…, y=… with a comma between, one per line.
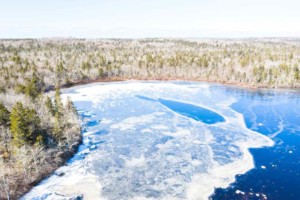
x=136, y=149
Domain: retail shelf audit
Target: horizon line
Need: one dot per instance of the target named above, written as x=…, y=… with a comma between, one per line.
x=143, y=38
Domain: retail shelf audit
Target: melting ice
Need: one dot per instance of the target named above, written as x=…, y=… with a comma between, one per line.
x=153, y=140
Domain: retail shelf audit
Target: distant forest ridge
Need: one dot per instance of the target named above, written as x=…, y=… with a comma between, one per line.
x=263, y=62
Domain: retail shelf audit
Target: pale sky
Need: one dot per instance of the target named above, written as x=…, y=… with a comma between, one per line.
x=152, y=18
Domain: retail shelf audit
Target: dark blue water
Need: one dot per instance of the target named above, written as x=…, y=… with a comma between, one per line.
x=189, y=110
x=277, y=172
x=195, y=112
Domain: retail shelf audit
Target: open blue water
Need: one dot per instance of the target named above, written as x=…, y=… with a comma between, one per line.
x=275, y=113
x=192, y=111
x=181, y=140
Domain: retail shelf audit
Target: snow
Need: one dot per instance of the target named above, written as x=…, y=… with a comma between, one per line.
x=141, y=149
x=239, y=192
x=136, y=162
x=132, y=122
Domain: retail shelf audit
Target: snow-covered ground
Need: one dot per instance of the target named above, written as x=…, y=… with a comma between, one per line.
x=137, y=148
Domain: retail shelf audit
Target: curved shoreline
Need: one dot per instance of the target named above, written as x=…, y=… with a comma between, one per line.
x=64, y=155
x=226, y=83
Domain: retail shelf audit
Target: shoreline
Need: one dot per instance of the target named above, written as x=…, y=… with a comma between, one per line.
x=65, y=155
x=227, y=83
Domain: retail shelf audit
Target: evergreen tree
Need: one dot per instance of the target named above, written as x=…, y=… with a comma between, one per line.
x=70, y=105
x=49, y=105
x=34, y=86
x=57, y=127
x=58, y=113
x=59, y=71
x=59, y=68
x=25, y=125
x=58, y=102
x=100, y=73
x=4, y=115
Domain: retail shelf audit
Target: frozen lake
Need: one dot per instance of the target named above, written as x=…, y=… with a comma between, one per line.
x=172, y=140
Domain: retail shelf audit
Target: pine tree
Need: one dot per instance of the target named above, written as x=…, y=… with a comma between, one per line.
x=57, y=127
x=5, y=135
x=70, y=105
x=49, y=105
x=100, y=73
x=34, y=86
x=58, y=102
x=4, y=115
x=58, y=113
x=59, y=71
x=25, y=125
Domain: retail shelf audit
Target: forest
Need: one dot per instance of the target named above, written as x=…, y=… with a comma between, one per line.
x=39, y=131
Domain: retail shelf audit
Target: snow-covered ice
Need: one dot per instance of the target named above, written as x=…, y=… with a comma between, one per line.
x=137, y=148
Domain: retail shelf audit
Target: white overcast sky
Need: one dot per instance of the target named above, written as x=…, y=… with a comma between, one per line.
x=151, y=18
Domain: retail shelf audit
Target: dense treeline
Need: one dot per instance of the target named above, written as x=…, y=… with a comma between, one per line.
x=257, y=62
x=38, y=133
x=36, y=136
